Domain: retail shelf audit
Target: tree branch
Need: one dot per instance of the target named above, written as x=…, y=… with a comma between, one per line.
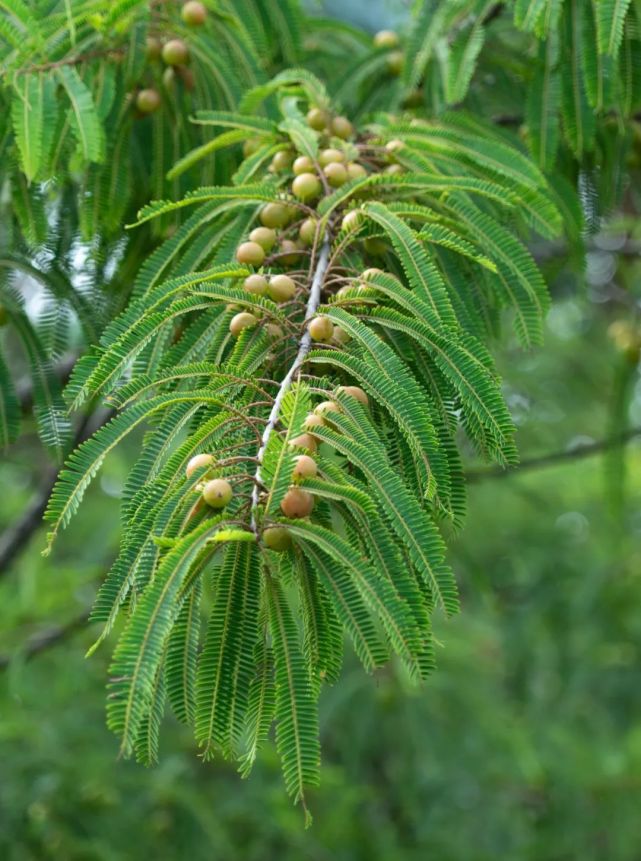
x=46, y=639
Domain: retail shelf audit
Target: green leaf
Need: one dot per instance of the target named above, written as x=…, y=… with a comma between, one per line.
x=85, y=122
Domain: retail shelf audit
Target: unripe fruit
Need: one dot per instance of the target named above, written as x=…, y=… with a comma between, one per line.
x=376, y=246
x=281, y=161
x=307, y=231
x=251, y=146
x=169, y=79
x=328, y=155
x=148, y=101
x=336, y=173
x=317, y=119
x=394, y=145
x=274, y=215
x=386, y=39
x=341, y=337
x=306, y=186
x=251, y=253
x=153, y=48
x=264, y=236
x=368, y=273
x=175, y=52
x=193, y=13
x=290, y=251
x=305, y=440
x=342, y=128
x=256, y=284
x=274, y=330
x=281, y=288
x=305, y=467
x=297, y=503
x=355, y=392
x=395, y=62
x=277, y=538
x=351, y=220
x=241, y=321
x=217, y=493
x=325, y=408
x=321, y=329
x=356, y=171
x=303, y=164
x=395, y=169
x=198, y=461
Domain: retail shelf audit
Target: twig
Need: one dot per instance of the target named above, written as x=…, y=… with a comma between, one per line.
x=303, y=349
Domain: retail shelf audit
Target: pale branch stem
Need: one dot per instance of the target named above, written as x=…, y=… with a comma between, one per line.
x=303, y=349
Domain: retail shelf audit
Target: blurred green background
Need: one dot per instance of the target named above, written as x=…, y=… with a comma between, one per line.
x=526, y=743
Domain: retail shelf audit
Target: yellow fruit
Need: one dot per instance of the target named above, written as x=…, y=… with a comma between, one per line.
x=356, y=171
x=297, y=503
x=355, y=392
x=336, y=173
x=321, y=329
x=342, y=128
x=217, y=493
x=317, y=119
x=264, y=236
x=277, y=538
x=328, y=155
x=256, y=284
x=251, y=253
x=386, y=39
x=307, y=231
x=148, y=101
x=341, y=337
x=193, y=13
x=303, y=164
x=241, y=321
x=306, y=186
x=274, y=215
x=175, y=52
x=198, y=461
x=281, y=288
x=305, y=467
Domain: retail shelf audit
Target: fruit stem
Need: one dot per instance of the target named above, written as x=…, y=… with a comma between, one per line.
x=304, y=347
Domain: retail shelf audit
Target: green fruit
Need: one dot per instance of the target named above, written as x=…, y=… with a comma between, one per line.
x=395, y=169
x=342, y=127
x=198, y=461
x=264, y=236
x=375, y=246
x=307, y=231
x=169, y=79
x=193, y=13
x=277, y=538
x=303, y=164
x=297, y=503
x=328, y=155
x=148, y=101
x=386, y=39
x=281, y=161
x=281, y=288
x=321, y=329
x=395, y=61
x=241, y=321
x=217, y=493
x=251, y=146
x=341, y=337
x=256, y=284
x=317, y=119
x=175, y=52
x=356, y=171
x=274, y=215
x=290, y=252
x=351, y=220
x=306, y=186
x=336, y=173
x=394, y=145
x=153, y=48
x=250, y=253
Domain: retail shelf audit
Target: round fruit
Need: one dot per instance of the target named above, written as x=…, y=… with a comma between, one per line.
x=148, y=101
x=326, y=407
x=281, y=161
x=217, y=493
x=251, y=253
x=328, y=155
x=175, y=52
x=395, y=62
x=303, y=164
x=342, y=128
x=198, y=461
x=368, y=273
x=193, y=13
x=394, y=145
x=355, y=392
x=351, y=220
x=153, y=48
x=290, y=251
x=394, y=169
x=305, y=440
x=321, y=329
x=356, y=171
x=386, y=39
x=312, y=421
x=306, y=186
x=336, y=173
x=307, y=231
x=274, y=330
x=297, y=503
x=341, y=337
x=376, y=246
x=251, y=146
x=281, y=288
x=305, y=467
x=169, y=78
x=274, y=215
x=277, y=538
x=241, y=321
x=317, y=119
x=256, y=284
x=264, y=236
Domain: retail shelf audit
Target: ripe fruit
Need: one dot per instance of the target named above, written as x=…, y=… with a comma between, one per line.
x=395, y=62
x=148, y=101
x=244, y=320
x=312, y=421
x=386, y=39
x=342, y=128
x=277, y=538
x=325, y=408
x=328, y=155
x=290, y=251
x=303, y=164
x=256, y=284
x=306, y=186
x=336, y=173
x=297, y=503
x=175, y=52
x=217, y=493
x=321, y=329
x=281, y=161
x=356, y=171
x=198, y=461
x=317, y=119
x=251, y=253
x=264, y=236
x=355, y=392
x=153, y=48
x=251, y=146
x=305, y=467
x=193, y=13
x=305, y=440
x=341, y=337
x=274, y=215
x=281, y=288
x=307, y=231
x=351, y=220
